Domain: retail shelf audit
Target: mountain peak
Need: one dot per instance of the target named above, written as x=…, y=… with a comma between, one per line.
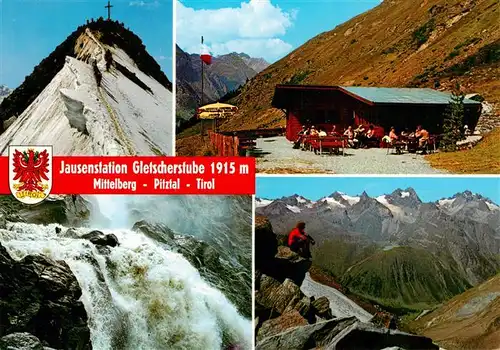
x=110, y=33
x=107, y=95
x=468, y=196
x=408, y=195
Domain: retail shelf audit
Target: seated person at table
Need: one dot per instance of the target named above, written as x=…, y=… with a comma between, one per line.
x=386, y=139
x=370, y=134
x=351, y=140
x=360, y=135
x=422, y=135
x=392, y=135
x=300, y=137
x=322, y=133
x=314, y=132
x=334, y=131
x=405, y=133
x=360, y=130
x=303, y=130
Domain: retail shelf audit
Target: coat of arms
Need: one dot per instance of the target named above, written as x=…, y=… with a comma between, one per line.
x=30, y=173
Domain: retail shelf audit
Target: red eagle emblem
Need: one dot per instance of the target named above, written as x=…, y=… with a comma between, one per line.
x=31, y=168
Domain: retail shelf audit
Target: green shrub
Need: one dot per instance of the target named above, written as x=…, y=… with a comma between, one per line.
x=422, y=34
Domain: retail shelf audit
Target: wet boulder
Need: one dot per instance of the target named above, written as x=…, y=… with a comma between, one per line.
x=41, y=296
x=101, y=239
x=159, y=232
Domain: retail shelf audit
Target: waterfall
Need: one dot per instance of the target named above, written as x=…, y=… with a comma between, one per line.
x=139, y=295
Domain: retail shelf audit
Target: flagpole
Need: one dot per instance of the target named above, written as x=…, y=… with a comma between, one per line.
x=202, y=76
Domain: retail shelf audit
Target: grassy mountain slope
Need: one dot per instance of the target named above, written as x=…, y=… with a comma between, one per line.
x=430, y=43
x=110, y=33
x=336, y=255
x=404, y=277
x=468, y=321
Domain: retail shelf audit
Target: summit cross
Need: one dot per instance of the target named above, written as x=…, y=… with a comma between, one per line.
x=109, y=6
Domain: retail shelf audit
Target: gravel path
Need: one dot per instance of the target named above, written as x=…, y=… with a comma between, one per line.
x=341, y=305
x=277, y=152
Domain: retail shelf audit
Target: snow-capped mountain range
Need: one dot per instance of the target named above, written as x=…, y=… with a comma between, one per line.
x=466, y=226
x=128, y=113
x=397, y=202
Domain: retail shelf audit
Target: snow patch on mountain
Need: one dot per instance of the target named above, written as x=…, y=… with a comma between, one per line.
x=492, y=206
x=293, y=208
x=405, y=194
x=446, y=202
x=332, y=202
x=352, y=200
x=395, y=210
x=301, y=199
x=262, y=202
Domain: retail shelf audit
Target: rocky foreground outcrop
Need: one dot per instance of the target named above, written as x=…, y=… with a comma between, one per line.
x=285, y=318
x=39, y=304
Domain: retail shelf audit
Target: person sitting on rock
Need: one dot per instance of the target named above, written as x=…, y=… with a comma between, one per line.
x=299, y=241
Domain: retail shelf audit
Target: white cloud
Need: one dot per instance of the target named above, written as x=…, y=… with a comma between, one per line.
x=254, y=28
x=162, y=58
x=144, y=3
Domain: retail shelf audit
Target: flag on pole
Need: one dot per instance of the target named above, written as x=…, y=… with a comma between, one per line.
x=205, y=55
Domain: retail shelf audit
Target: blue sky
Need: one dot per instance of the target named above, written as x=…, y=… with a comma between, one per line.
x=260, y=28
x=31, y=29
x=428, y=189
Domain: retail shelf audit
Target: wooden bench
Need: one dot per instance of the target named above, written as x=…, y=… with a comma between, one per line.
x=328, y=142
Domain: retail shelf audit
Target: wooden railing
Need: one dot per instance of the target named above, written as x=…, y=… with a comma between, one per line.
x=225, y=146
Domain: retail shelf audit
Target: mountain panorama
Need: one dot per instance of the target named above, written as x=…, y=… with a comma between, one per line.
x=98, y=93
x=225, y=74
x=394, y=249
x=431, y=269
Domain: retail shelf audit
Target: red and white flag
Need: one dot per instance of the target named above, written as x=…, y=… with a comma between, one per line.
x=205, y=55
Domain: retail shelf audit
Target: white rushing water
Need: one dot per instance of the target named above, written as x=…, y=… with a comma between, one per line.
x=137, y=295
